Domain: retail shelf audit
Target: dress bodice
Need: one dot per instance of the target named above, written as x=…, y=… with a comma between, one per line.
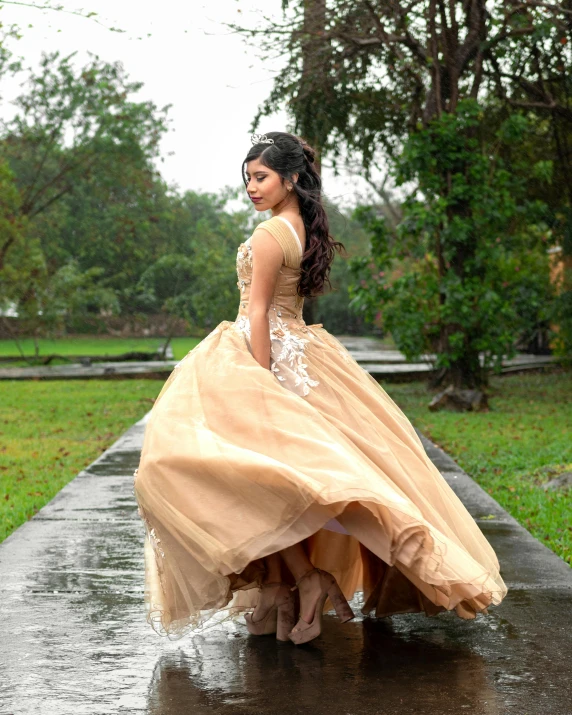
x=288, y=331
x=286, y=302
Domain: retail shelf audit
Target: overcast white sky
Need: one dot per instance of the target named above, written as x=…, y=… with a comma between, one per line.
x=190, y=60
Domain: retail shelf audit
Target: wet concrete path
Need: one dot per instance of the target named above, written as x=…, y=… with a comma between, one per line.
x=74, y=638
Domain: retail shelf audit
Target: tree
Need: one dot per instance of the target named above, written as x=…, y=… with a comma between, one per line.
x=333, y=308
x=78, y=143
x=11, y=221
x=469, y=271
x=58, y=298
x=12, y=242
x=73, y=123
x=391, y=71
x=199, y=283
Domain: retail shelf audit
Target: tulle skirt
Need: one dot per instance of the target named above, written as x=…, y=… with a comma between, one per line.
x=236, y=466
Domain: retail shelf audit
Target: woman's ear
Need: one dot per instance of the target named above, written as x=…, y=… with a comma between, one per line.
x=295, y=178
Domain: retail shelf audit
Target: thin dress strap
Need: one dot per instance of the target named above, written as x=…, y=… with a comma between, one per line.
x=287, y=237
x=294, y=232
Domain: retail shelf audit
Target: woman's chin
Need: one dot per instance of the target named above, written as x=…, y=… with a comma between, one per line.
x=260, y=207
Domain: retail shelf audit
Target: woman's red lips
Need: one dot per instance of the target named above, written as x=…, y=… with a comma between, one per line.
x=255, y=198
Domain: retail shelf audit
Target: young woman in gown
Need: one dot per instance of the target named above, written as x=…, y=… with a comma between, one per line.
x=272, y=460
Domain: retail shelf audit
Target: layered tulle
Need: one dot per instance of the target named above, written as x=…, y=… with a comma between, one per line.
x=240, y=462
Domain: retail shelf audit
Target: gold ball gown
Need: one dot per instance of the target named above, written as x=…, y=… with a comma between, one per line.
x=239, y=462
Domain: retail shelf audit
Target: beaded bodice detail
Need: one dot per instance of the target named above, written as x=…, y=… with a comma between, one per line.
x=286, y=303
x=288, y=331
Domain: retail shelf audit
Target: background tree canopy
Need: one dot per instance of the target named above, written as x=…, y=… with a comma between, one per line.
x=465, y=108
x=468, y=104
x=89, y=229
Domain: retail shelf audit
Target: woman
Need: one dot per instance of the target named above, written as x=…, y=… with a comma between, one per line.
x=272, y=459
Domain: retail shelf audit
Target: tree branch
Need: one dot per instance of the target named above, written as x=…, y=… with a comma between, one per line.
x=548, y=6
x=475, y=25
x=432, y=42
x=59, y=8
x=34, y=181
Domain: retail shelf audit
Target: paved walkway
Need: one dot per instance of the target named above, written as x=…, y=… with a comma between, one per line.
x=370, y=353
x=77, y=371
x=74, y=639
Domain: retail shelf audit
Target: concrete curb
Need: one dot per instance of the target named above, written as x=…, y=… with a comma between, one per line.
x=525, y=561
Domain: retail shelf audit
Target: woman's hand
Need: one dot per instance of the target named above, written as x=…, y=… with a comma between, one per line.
x=267, y=258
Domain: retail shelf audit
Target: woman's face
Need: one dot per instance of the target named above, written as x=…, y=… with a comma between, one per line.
x=265, y=187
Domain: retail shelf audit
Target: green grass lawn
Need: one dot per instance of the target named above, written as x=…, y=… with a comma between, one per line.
x=49, y=431
x=93, y=345
x=522, y=442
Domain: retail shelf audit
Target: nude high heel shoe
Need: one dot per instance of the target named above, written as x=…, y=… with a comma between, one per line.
x=277, y=614
x=304, y=632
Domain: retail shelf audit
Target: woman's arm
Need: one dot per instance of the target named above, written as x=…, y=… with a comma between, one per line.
x=267, y=258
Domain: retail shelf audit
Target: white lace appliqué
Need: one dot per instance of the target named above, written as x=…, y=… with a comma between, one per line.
x=291, y=352
x=242, y=324
x=244, y=256
x=287, y=349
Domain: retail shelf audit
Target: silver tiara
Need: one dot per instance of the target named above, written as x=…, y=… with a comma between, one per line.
x=261, y=139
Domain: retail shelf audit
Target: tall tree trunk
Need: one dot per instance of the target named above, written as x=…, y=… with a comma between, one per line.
x=446, y=50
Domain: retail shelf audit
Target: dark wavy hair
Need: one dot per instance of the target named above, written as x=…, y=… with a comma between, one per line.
x=290, y=155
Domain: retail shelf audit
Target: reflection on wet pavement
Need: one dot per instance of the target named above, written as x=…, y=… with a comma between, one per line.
x=74, y=637
x=367, y=668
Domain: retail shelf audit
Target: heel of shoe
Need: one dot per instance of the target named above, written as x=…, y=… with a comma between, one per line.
x=339, y=602
x=286, y=619
x=264, y=627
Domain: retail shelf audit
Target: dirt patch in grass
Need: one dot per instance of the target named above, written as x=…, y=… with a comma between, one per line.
x=524, y=441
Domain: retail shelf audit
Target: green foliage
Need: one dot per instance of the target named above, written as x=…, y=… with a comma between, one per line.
x=68, y=295
x=561, y=313
x=72, y=123
x=333, y=308
x=359, y=77
x=73, y=130
x=511, y=451
x=98, y=231
x=378, y=83
x=468, y=273
x=12, y=232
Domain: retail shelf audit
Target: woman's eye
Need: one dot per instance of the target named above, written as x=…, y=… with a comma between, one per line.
x=261, y=178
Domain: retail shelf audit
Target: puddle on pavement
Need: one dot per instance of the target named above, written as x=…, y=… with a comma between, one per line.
x=363, y=667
